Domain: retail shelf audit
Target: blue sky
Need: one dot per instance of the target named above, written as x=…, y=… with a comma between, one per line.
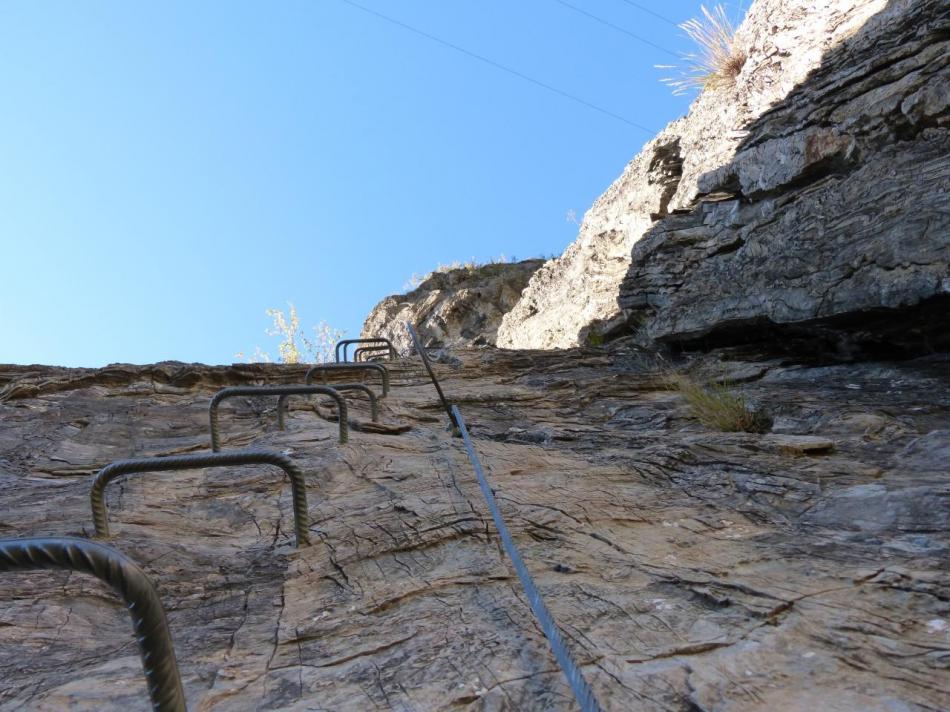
x=170, y=170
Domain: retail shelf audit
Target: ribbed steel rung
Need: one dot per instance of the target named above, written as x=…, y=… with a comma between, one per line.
x=234, y=391
x=198, y=461
x=344, y=344
x=327, y=368
x=133, y=586
x=341, y=388
x=363, y=353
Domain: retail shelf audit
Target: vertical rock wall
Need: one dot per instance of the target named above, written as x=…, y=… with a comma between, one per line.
x=833, y=218
x=455, y=307
x=784, y=41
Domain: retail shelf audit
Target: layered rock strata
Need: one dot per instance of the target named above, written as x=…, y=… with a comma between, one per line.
x=832, y=217
x=456, y=307
x=829, y=157
x=800, y=569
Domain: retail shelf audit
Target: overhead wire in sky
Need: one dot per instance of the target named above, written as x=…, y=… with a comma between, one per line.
x=647, y=10
x=497, y=65
x=740, y=12
x=618, y=28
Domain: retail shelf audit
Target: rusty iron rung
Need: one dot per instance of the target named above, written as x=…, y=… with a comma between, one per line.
x=234, y=391
x=341, y=387
x=200, y=461
x=362, y=354
x=344, y=344
x=325, y=368
x=129, y=581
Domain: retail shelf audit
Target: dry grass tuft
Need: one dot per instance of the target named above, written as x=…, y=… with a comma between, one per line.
x=416, y=280
x=716, y=406
x=718, y=62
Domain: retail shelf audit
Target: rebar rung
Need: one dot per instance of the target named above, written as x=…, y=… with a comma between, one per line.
x=342, y=387
x=131, y=584
x=361, y=354
x=326, y=368
x=189, y=462
x=234, y=391
x=344, y=344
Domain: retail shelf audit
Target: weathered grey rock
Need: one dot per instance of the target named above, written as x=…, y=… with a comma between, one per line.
x=928, y=453
x=840, y=207
x=876, y=508
x=688, y=569
x=578, y=288
x=829, y=159
x=802, y=444
x=457, y=307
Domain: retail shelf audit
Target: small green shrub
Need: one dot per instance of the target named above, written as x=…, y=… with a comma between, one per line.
x=716, y=406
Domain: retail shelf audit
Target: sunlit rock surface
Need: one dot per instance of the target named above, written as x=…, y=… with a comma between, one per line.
x=817, y=186
x=833, y=218
x=453, y=307
x=801, y=569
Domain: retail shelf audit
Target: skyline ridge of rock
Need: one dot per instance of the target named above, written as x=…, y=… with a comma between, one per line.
x=815, y=193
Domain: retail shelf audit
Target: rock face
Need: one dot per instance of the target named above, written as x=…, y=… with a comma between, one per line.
x=834, y=210
x=816, y=186
x=457, y=307
x=798, y=570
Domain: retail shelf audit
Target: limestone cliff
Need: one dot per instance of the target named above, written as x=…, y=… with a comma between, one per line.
x=799, y=570
x=832, y=219
x=816, y=187
x=796, y=570
x=454, y=307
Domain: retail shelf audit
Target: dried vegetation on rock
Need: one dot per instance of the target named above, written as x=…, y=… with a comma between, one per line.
x=813, y=189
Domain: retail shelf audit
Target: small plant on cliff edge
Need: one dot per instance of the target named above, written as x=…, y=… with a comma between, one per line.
x=294, y=347
x=594, y=338
x=718, y=61
x=716, y=406
x=416, y=280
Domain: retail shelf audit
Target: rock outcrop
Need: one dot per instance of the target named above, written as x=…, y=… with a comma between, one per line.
x=814, y=148
x=798, y=570
x=833, y=217
x=456, y=307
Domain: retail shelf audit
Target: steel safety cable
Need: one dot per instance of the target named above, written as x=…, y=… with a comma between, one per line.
x=582, y=691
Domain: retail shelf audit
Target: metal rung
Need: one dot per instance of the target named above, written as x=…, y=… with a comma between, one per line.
x=362, y=354
x=189, y=462
x=132, y=585
x=233, y=391
x=326, y=368
x=344, y=344
x=342, y=387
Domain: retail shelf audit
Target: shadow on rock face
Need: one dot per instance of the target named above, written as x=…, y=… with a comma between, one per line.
x=828, y=233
